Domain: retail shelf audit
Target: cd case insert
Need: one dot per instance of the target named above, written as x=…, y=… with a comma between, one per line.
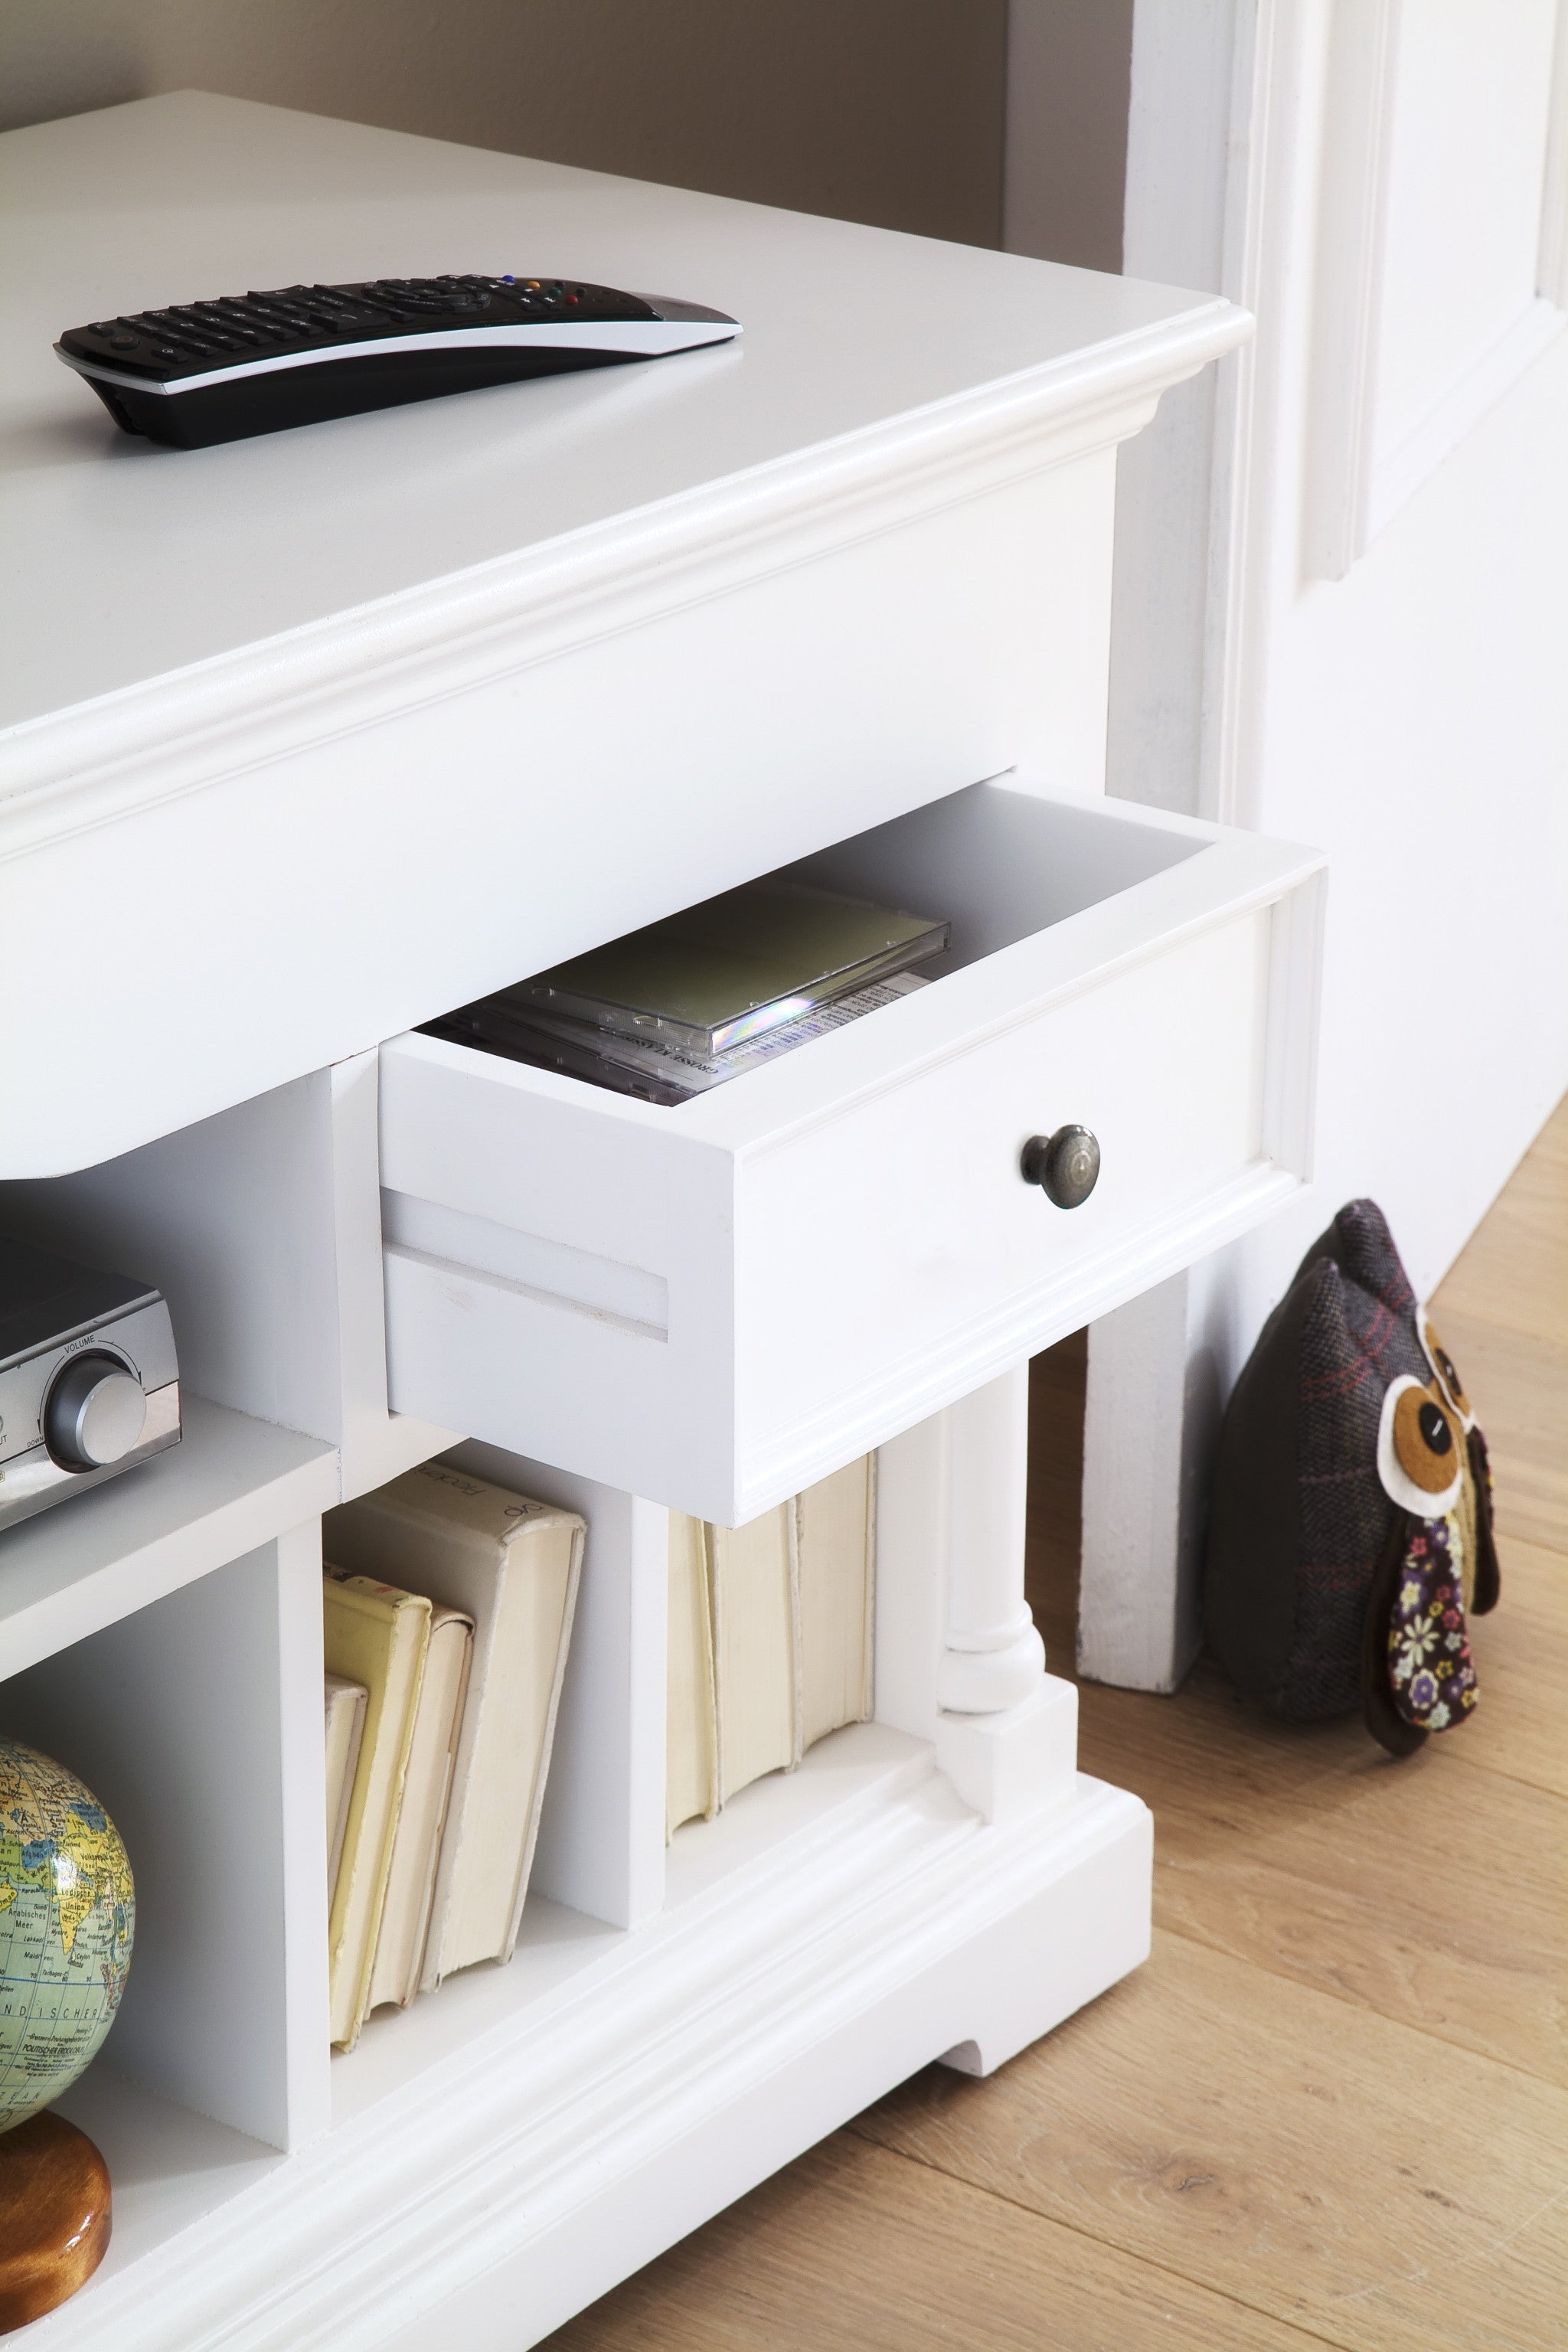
x=690, y=1002
x=718, y=974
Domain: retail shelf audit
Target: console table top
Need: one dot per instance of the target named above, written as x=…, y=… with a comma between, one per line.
x=127, y=563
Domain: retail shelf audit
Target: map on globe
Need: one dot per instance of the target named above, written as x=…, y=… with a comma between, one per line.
x=68, y=1913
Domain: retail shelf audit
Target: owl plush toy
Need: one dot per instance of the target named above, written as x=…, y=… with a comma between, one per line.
x=1350, y=1522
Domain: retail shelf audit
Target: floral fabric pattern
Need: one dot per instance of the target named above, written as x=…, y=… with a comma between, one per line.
x=1430, y=1669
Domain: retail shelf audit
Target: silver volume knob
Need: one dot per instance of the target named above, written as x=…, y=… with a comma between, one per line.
x=94, y=1414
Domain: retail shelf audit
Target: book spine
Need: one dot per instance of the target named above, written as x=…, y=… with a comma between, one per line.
x=526, y=1867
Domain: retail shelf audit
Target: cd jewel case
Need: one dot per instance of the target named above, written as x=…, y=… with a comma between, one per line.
x=688, y=1003
x=719, y=973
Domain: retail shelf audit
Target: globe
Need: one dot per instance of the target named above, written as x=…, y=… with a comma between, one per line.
x=67, y=1917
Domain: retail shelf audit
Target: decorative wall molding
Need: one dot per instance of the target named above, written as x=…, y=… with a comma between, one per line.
x=1357, y=478
x=1351, y=217
x=1551, y=263
x=1238, y=587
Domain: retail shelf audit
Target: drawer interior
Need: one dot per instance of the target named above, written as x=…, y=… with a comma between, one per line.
x=1000, y=864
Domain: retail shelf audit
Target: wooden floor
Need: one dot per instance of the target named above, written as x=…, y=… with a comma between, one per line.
x=1333, y=2108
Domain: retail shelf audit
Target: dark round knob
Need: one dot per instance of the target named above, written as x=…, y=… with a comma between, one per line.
x=1066, y=1165
x=94, y=1413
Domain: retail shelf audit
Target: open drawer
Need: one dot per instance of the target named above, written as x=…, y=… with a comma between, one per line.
x=714, y=1304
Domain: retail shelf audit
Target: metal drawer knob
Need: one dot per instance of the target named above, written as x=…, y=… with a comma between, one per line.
x=1066, y=1165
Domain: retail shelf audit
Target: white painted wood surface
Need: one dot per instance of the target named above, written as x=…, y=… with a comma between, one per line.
x=169, y=2168
x=1141, y=1617
x=657, y=2075
x=993, y=1658
x=1437, y=281
x=196, y=1722
x=229, y=1486
x=261, y=1226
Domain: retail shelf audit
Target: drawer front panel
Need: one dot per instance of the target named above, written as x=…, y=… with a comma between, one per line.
x=889, y=1253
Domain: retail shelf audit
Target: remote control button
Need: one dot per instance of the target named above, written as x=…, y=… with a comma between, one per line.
x=124, y=343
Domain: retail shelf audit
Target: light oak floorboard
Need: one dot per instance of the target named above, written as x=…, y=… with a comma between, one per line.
x=854, y=2246
x=1513, y=1272
x=1521, y=1656
x=1279, y=2146
x=1426, y=1891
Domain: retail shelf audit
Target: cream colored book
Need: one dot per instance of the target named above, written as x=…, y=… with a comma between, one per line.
x=426, y=1786
x=377, y=1635
x=691, y=1743
x=346, y=1706
x=751, y=1596
x=513, y=1565
x=770, y=1638
x=835, y=1555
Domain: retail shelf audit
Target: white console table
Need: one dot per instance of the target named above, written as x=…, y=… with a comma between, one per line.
x=313, y=737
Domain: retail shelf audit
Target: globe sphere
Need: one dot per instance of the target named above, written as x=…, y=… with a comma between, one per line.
x=67, y=1920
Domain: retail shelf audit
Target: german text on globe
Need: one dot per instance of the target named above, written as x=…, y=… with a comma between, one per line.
x=68, y=1915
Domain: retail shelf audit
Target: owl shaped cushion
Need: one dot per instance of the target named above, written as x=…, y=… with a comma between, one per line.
x=1350, y=1531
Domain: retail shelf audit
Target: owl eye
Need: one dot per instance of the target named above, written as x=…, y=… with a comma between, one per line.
x=1450, y=1386
x=1423, y=1439
x=1420, y=1458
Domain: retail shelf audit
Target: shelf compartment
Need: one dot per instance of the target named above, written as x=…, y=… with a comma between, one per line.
x=715, y=1305
x=230, y=1484
x=169, y=2168
x=560, y=1953
x=196, y=1722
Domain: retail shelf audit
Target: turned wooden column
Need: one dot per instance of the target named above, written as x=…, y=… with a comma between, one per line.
x=993, y=1658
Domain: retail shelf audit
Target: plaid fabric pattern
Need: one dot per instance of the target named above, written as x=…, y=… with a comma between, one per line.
x=1359, y=1334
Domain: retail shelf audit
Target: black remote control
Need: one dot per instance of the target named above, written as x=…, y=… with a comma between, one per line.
x=205, y=371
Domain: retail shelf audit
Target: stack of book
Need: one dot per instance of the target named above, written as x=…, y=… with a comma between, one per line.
x=770, y=1638
x=704, y=996
x=449, y=1606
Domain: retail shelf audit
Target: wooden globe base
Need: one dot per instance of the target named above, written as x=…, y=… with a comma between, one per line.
x=54, y=2216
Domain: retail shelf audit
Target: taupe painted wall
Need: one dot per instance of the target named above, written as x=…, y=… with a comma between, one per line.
x=1070, y=74
x=882, y=110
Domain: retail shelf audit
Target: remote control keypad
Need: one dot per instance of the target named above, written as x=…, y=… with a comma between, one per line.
x=186, y=337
